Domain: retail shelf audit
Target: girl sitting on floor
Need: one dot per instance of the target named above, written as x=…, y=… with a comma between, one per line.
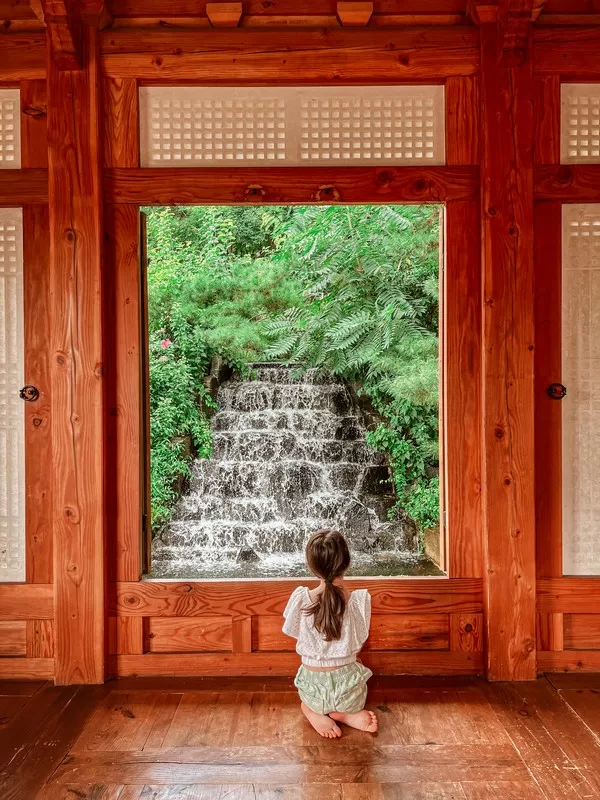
x=331, y=625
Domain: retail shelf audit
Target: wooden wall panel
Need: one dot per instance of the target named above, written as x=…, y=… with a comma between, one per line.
x=34, y=124
x=76, y=235
x=572, y=52
x=19, y=187
x=508, y=349
x=40, y=638
x=126, y=635
x=121, y=123
x=568, y=595
x=122, y=292
x=548, y=370
x=26, y=601
x=268, y=598
x=38, y=432
x=23, y=57
x=461, y=362
x=550, y=632
x=546, y=111
x=466, y=633
x=578, y=183
x=343, y=56
x=462, y=120
x=188, y=634
x=13, y=638
x=582, y=631
x=290, y=185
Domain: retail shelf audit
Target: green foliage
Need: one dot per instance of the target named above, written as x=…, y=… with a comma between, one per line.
x=351, y=291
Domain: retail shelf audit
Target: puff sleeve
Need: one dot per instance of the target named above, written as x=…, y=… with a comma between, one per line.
x=292, y=613
x=362, y=617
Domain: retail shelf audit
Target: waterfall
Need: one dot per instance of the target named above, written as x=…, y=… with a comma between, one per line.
x=290, y=456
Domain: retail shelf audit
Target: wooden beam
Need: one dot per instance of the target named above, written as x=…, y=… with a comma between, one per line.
x=248, y=598
x=172, y=186
x=323, y=57
x=26, y=601
x=63, y=23
x=76, y=245
x=23, y=57
x=354, y=14
x=568, y=595
x=572, y=52
x=508, y=350
x=224, y=15
x=577, y=183
x=20, y=187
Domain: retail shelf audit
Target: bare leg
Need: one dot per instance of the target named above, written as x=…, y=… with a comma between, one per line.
x=363, y=720
x=324, y=725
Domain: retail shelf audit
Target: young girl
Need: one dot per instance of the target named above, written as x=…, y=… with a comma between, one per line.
x=331, y=625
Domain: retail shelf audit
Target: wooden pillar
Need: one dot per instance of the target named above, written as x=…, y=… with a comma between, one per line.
x=76, y=371
x=508, y=348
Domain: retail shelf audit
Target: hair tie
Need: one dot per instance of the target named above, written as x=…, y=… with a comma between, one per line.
x=329, y=580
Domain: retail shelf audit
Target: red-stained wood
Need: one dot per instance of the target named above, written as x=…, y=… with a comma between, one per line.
x=126, y=635
x=76, y=244
x=18, y=668
x=224, y=15
x=290, y=185
x=462, y=120
x=281, y=8
x=26, y=601
x=569, y=661
x=40, y=638
x=354, y=13
x=508, y=350
x=20, y=187
x=579, y=183
x=248, y=598
x=466, y=633
x=13, y=638
x=188, y=634
x=388, y=632
x=546, y=115
x=550, y=631
x=321, y=57
x=23, y=57
x=65, y=34
x=123, y=396
x=38, y=433
x=462, y=408
x=241, y=634
x=239, y=664
x=568, y=595
x=121, y=122
x=548, y=370
x=571, y=51
x=34, y=134
x=582, y=631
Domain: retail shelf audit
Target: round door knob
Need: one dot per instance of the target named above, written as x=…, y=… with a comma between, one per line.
x=556, y=391
x=29, y=393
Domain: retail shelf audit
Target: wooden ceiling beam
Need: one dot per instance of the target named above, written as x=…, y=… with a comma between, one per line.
x=224, y=15
x=514, y=18
x=63, y=22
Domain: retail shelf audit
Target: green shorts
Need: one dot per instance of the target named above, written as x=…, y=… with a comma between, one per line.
x=343, y=689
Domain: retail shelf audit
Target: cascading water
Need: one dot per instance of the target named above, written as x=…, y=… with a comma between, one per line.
x=290, y=457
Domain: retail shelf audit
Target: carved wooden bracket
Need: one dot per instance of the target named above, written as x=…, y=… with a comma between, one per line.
x=514, y=19
x=355, y=14
x=224, y=15
x=63, y=20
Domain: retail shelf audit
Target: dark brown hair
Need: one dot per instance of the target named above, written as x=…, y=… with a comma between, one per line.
x=328, y=557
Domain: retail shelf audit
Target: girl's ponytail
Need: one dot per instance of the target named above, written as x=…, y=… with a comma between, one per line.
x=328, y=557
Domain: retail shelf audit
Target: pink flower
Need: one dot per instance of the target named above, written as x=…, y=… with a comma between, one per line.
x=166, y=343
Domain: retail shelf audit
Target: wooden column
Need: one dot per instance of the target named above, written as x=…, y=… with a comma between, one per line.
x=508, y=352
x=76, y=369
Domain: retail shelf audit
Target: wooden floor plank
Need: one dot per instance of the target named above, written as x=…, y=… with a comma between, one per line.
x=403, y=791
x=502, y=790
x=586, y=704
x=545, y=754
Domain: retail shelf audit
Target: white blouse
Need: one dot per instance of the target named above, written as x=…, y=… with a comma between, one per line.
x=311, y=645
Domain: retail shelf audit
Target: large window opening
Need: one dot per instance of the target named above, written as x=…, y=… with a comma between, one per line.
x=293, y=384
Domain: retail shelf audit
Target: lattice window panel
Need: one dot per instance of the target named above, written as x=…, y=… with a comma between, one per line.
x=10, y=129
x=580, y=123
x=198, y=126
x=581, y=376
x=12, y=430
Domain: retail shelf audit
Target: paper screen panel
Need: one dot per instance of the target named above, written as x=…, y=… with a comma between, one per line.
x=581, y=376
x=12, y=450
x=10, y=129
x=291, y=126
x=580, y=123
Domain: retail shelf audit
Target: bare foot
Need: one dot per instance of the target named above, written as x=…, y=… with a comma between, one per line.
x=362, y=720
x=323, y=724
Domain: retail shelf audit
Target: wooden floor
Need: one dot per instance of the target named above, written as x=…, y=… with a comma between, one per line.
x=439, y=739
